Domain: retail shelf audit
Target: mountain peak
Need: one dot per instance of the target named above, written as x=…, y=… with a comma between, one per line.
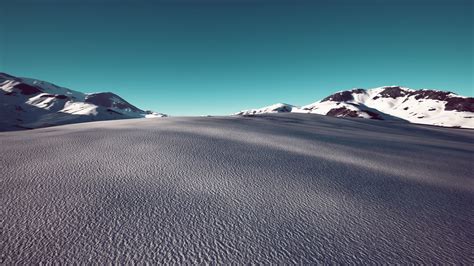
x=275, y=108
x=432, y=107
x=31, y=103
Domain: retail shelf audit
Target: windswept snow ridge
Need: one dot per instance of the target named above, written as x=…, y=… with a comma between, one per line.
x=269, y=189
x=431, y=107
x=28, y=103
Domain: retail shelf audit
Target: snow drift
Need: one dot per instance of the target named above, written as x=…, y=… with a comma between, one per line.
x=270, y=189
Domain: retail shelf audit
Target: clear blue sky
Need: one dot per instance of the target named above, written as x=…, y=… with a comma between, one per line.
x=197, y=57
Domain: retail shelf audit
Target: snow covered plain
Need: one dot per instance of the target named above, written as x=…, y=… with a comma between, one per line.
x=277, y=188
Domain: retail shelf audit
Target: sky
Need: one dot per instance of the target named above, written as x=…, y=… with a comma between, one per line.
x=199, y=57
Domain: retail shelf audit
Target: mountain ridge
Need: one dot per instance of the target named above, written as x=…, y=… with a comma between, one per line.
x=27, y=103
x=425, y=106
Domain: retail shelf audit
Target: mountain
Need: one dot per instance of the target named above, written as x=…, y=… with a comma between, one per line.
x=28, y=103
x=431, y=107
x=276, y=108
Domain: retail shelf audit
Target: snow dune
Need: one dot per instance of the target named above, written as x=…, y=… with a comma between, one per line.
x=276, y=188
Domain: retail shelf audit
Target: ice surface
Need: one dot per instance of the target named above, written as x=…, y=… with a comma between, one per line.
x=280, y=188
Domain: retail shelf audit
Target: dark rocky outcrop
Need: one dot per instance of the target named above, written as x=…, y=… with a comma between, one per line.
x=342, y=96
x=26, y=89
x=431, y=94
x=453, y=103
x=57, y=96
x=460, y=104
x=358, y=91
x=342, y=111
x=391, y=92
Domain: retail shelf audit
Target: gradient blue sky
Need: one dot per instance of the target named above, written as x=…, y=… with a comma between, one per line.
x=217, y=57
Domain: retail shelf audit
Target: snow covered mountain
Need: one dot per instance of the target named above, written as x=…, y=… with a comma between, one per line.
x=431, y=107
x=28, y=103
x=276, y=108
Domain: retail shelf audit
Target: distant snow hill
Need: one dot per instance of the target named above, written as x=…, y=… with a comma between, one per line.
x=431, y=107
x=28, y=103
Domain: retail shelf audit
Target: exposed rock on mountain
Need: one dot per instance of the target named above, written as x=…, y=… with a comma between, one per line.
x=430, y=107
x=27, y=103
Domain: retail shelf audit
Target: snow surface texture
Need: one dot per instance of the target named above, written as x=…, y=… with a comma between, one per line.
x=283, y=188
x=431, y=107
x=27, y=103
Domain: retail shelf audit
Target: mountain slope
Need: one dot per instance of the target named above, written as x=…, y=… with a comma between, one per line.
x=431, y=107
x=276, y=108
x=29, y=103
